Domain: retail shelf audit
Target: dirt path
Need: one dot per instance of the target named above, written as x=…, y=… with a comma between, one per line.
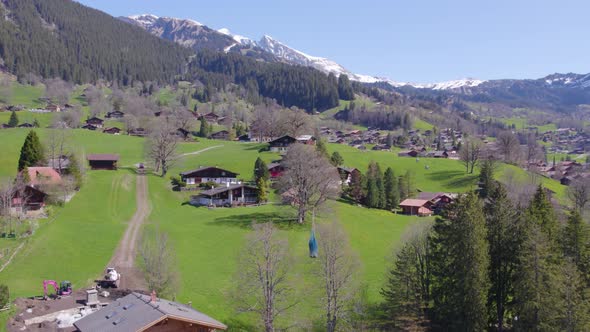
x=201, y=151
x=123, y=259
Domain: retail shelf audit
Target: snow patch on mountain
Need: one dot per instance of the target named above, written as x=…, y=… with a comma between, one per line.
x=449, y=85
x=239, y=39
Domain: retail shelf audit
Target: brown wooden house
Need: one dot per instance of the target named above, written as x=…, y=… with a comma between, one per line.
x=281, y=144
x=115, y=115
x=228, y=195
x=96, y=122
x=103, y=161
x=112, y=131
x=29, y=201
x=208, y=174
x=416, y=207
x=222, y=134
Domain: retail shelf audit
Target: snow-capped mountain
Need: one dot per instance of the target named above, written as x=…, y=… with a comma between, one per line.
x=198, y=36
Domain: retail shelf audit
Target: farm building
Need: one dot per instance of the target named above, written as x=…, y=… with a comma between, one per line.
x=437, y=200
x=209, y=174
x=281, y=144
x=140, y=132
x=182, y=133
x=88, y=127
x=96, y=122
x=53, y=108
x=222, y=134
x=112, y=131
x=115, y=115
x=346, y=174
x=210, y=117
x=29, y=201
x=59, y=164
x=228, y=195
x=25, y=125
x=275, y=170
x=410, y=153
x=138, y=312
x=42, y=176
x=103, y=161
x=306, y=139
x=416, y=207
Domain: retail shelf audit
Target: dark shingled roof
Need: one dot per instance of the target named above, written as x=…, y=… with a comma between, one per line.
x=103, y=157
x=135, y=312
x=200, y=169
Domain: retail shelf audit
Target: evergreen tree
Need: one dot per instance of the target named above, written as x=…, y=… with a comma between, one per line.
x=345, y=91
x=502, y=222
x=260, y=170
x=391, y=190
x=460, y=267
x=31, y=153
x=262, y=188
x=372, y=197
x=322, y=148
x=13, y=121
x=406, y=186
x=576, y=243
x=536, y=287
x=336, y=159
x=204, y=128
x=540, y=212
x=486, y=178
x=375, y=186
x=575, y=311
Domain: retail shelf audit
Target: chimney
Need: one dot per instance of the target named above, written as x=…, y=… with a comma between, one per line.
x=153, y=297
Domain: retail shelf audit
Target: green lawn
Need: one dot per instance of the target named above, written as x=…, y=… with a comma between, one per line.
x=27, y=95
x=422, y=125
x=522, y=123
x=77, y=244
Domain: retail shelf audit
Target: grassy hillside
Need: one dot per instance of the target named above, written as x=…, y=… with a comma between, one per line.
x=77, y=243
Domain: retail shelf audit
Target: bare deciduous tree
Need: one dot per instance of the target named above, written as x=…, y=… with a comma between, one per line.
x=309, y=180
x=159, y=264
x=338, y=265
x=579, y=193
x=469, y=154
x=262, y=282
x=296, y=122
x=58, y=90
x=508, y=144
x=161, y=146
x=5, y=89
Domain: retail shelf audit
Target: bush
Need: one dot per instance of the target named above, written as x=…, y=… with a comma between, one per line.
x=177, y=182
x=4, y=296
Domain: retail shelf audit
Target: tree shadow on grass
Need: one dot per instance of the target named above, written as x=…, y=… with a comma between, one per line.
x=452, y=179
x=284, y=221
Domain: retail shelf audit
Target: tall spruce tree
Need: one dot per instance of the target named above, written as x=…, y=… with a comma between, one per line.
x=31, y=153
x=336, y=159
x=502, y=221
x=376, y=186
x=13, y=121
x=460, y=266
x=204, y=129
x=391, y=190
x=486, y=178
x=540, y=212
x=576, y=243
x=260, y=170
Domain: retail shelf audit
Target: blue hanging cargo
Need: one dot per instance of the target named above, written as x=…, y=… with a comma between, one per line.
x=313, y=245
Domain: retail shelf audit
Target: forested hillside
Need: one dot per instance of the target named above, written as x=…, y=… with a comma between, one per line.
x=61, y=38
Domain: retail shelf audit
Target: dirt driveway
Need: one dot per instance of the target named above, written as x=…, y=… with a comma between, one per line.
x=123, y=259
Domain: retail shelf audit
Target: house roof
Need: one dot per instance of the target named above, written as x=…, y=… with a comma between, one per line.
x=304, y=137
x=413, y=202
x=94, y=119
x=273, y=165
x=43, y=175
x=429, y=196
x=347, y=169
x=135, y=312
x=103, y=157
x=200, y=169
x=219, y=190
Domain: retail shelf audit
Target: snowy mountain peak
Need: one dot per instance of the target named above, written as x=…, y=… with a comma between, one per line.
x=239, y=39
x=449, y=85
x=144, y=19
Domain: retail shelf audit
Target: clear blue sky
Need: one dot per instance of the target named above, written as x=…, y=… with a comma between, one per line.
x=411, y=40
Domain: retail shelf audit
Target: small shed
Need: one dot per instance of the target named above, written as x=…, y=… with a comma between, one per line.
x=103, y=161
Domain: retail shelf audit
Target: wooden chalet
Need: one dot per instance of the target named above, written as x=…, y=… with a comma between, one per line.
x=147, y=313
x=140, y=132
x=94, y=121
x=103, y=161
x=438, y=200
x=53, y=108
x=416, y=207
x=228, y=195
x=115, y=115
x=346, y=174
x=222, y=134
x=112, y=131
x=281, y=144
x=25, y=125
x=408, y=153
x=209, y=174
x=88, y=127
x=275, y=170
x=42, y=176
x=306, y=139
x=210, y=117
x=29, y=201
